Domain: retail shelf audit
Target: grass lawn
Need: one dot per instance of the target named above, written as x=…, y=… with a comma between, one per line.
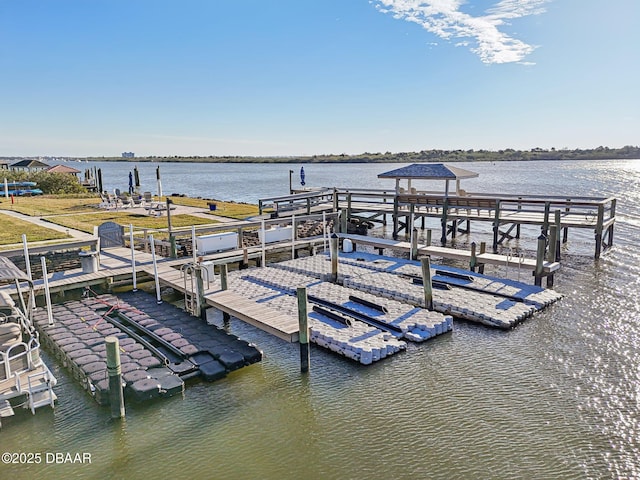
x=42, y=205
x=81, y=212
x=239, y=211
x=45, y=205
x=86, y=221
x=12, y=230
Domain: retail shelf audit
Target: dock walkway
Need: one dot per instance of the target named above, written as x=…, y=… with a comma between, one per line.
x=452, y=253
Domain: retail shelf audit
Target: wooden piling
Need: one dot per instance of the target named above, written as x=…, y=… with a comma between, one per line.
x=553, y=235
x=116, y=397
x=483, y=249
x=303, y=335
x=396, y=213
x=414, y=244
x=426, y=282
x=542, y=246
x=333, y=251
x=496, y=227
x=224, y=285
x=565, y=230
x=558, y=225
x=200, y=292
x=474, y=259
x=598, y=232
x=443, y=221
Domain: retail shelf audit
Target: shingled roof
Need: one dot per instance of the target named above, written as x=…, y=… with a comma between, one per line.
x=429, y=171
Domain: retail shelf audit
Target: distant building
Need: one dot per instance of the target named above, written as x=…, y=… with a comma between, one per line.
x=128, y=154
x=29, y=166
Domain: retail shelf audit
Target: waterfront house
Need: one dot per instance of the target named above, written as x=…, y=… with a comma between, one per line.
x=29, y=166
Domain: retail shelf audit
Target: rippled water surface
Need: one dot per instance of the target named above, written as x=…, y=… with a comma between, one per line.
x=557, y=398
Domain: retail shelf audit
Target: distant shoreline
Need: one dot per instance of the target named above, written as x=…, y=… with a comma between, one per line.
x=424, y=156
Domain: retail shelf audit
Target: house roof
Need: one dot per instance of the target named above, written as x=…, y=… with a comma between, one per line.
x=429, y=171
x=30, y=164
x=62, y=169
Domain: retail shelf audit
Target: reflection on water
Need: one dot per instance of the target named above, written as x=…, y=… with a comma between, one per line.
x=557, y=397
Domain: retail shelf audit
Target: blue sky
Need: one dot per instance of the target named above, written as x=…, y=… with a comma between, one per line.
x=304, y=77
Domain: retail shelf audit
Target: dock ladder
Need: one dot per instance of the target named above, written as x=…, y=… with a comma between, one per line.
x=40, y=391
x=195, y=275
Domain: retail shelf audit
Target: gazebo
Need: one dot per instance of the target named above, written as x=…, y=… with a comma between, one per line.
x=428, y=171
x=63, y=169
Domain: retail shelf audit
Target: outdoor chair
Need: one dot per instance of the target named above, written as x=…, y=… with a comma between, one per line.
x=125, y=200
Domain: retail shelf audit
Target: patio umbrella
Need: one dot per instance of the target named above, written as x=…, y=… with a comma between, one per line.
x=302, y=176
x=159, y=182
x=6, y=188
x=136, y=176
x=130, y=183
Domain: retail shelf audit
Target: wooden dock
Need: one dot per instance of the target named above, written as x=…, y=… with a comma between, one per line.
x=506, y=213
x=479, y=259
x=256, y=314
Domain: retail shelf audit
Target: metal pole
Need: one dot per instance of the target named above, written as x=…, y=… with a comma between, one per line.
x=194, y=244
x=116, y=398
x=293, y=237
x=133, y=259
x=47, y=295
x=32, y=295
x=303, y=335
x=155, y=269
x=264, y=262
x=324, y=230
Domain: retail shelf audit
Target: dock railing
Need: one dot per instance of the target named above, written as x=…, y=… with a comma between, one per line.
x=303, y=202
x=597, y=213
x=300, y=229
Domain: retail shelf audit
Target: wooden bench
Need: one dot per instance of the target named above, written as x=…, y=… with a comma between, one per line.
x=431, y=201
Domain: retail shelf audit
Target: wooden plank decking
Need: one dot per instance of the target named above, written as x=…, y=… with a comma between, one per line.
x=453, y=253
x=260, y=316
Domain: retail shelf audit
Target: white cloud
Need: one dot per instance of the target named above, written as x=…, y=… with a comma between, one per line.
x=445, y=19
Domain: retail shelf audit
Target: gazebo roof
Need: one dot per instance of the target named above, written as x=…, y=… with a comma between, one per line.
x=429, y=171
x=62, y=169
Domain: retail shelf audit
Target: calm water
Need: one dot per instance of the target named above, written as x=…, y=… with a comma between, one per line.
x=556, y=398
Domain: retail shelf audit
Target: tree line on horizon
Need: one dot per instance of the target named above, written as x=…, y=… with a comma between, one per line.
x=433, y=155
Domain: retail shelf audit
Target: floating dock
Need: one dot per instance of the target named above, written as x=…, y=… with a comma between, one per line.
x=492, y=301
x=360, y=326
x=161, y=346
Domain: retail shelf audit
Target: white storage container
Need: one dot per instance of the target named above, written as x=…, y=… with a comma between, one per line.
x=277, y=234
x=216, y=242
